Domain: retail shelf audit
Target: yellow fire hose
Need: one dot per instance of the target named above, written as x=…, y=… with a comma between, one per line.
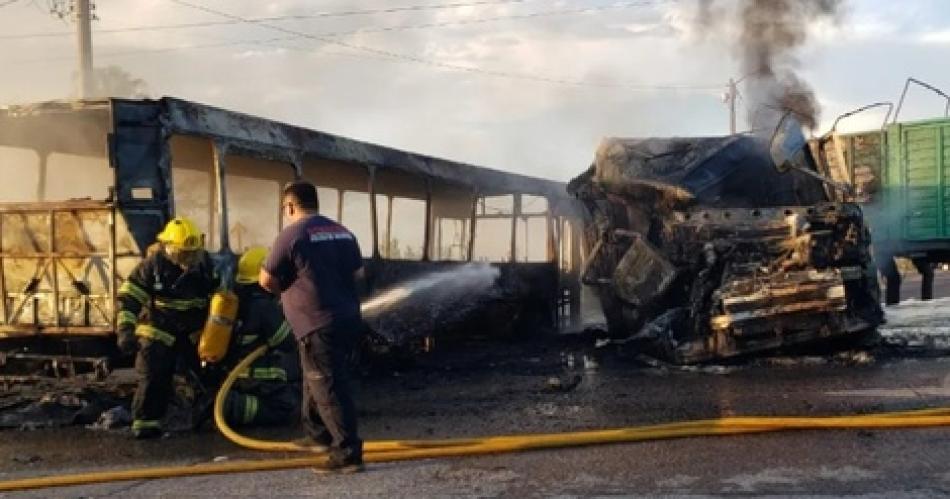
x=400, y=450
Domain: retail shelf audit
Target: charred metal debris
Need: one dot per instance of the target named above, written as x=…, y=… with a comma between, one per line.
x=700, y=248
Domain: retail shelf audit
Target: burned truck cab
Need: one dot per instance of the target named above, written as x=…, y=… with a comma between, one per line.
x=701, y=249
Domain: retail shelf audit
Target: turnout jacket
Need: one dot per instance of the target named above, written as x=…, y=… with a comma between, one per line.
x=172, y=303
x=261, y=321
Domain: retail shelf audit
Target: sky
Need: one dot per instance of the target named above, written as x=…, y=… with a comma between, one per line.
x=526, y=86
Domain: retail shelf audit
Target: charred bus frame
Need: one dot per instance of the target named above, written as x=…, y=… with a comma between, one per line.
x=62, y=259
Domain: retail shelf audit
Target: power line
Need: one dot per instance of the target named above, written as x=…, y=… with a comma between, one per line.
x=390, y=10
x=299, y=17
x=109, y=55
x=255, y=42
x=441, y=64
x=483, y=20
x=384, y=29
x=294, y=37
x=379, y=54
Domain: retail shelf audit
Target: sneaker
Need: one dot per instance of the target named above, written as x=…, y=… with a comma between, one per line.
x=311, y=444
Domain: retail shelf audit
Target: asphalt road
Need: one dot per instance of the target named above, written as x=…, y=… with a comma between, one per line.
x=871, y=464
x=510, y=397
x=469, y=392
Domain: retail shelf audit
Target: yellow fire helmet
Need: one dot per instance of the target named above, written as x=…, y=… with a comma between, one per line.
x=181, y=233
x=249, y=266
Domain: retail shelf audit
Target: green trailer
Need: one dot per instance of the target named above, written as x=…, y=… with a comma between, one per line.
x=916, y=183
x=901, y=176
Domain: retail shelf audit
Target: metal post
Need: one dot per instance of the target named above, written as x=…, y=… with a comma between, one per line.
x=52, y=259
x=471, y=227
x=850, y=167
x=389, y=227
x=220, y=168
x=731, y=96
x=549, y=221
x=574, y=245
x=84, y=43
x=42, y=175
x=516, y=213
x=438, y=241
x=3, y=279
x=113, y=267
x=427, y=233
x=527, y=237
x=373, y=216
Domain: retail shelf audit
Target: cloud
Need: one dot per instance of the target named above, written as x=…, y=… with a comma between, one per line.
x=939, y=37
x=854, y=31
x=518, y=125
x=524, y=126
x=261, y=52
x=643, y=28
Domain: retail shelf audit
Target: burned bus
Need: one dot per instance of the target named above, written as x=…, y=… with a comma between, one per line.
x=87, y=185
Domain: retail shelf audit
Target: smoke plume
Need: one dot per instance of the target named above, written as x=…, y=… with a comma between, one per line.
x=115, y=81
x=766, y=36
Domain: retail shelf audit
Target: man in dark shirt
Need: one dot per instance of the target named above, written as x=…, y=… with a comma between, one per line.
x=314, y=265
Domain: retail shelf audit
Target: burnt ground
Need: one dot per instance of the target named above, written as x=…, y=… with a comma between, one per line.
x=468, y=393
x=562, y=384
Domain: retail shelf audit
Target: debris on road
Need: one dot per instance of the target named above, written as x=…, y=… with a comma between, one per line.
x=856, y=357
x=27, y=458
x=117, y=417
x=563, y=383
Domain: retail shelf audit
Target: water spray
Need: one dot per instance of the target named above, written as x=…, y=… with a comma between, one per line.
x=470, y=277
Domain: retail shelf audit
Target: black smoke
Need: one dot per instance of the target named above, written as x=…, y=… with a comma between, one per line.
x=766, y=36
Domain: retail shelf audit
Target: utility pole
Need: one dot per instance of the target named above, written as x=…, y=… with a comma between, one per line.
x=730, y=98
x=731, y=95
x=83, y=11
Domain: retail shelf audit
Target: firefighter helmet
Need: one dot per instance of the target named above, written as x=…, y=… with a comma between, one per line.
x=181, y=233
x=249, y=266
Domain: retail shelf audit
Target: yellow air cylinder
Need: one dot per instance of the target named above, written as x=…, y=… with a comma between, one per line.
x=216, y=335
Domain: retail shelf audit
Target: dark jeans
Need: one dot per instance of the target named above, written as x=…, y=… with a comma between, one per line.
x=329, y=412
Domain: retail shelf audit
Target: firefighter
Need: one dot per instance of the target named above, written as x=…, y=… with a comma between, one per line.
x=163, y=306
x=269, y=392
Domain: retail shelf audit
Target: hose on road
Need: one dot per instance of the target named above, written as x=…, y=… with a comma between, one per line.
x=401, y=450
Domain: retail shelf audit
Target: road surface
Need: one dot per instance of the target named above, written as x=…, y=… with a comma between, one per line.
x=471, y=393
